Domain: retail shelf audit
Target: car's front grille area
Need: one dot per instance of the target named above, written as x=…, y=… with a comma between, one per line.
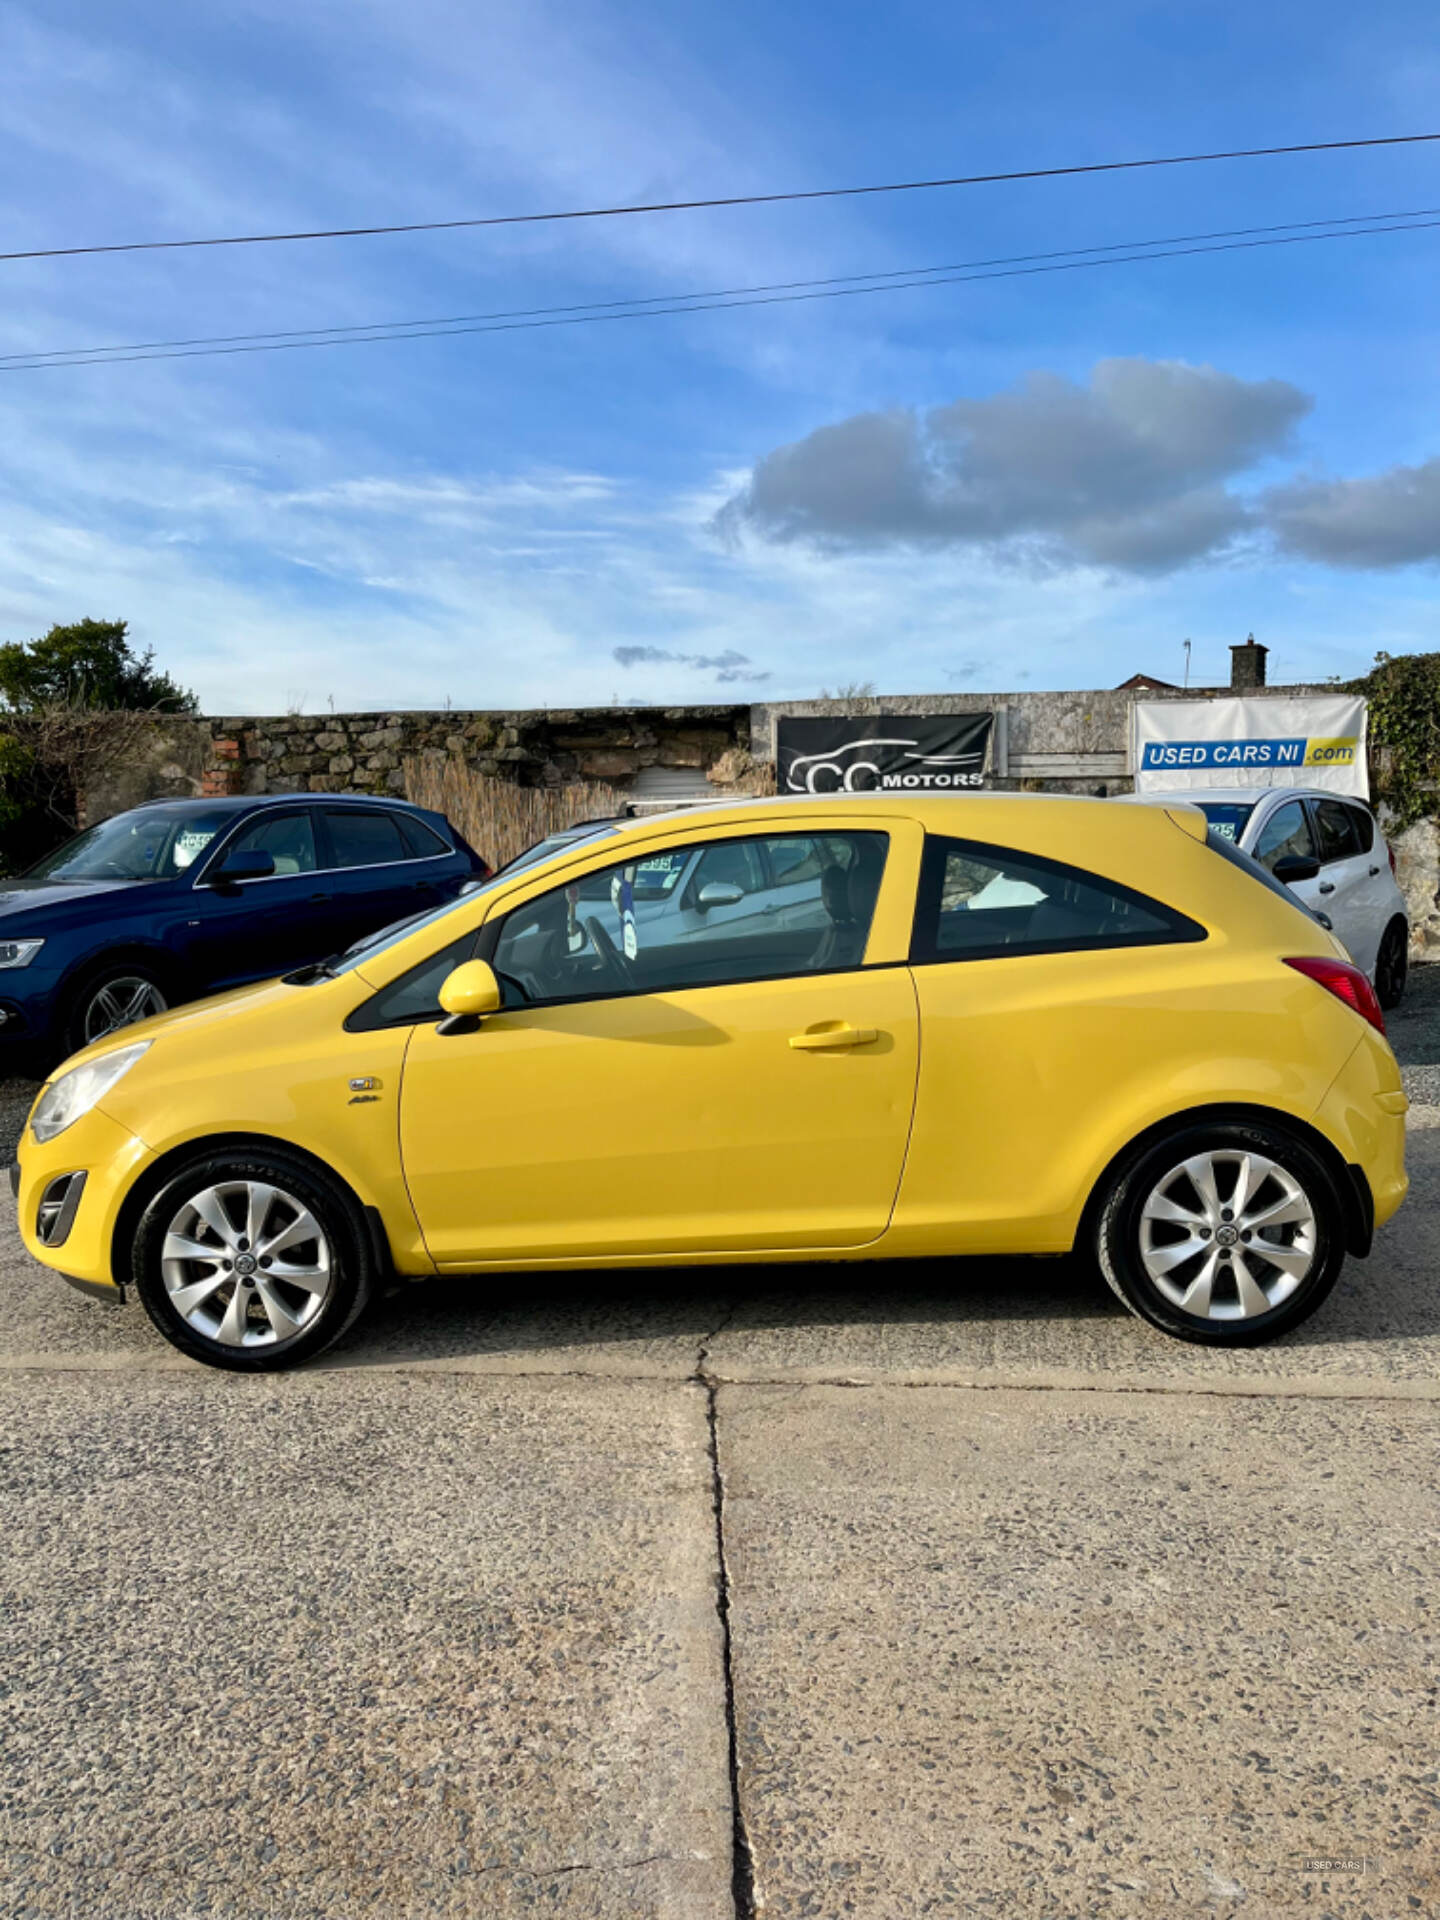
x=56, y=1213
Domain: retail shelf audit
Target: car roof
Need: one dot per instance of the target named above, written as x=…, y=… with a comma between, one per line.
x=243, y=802
x=1236, y=796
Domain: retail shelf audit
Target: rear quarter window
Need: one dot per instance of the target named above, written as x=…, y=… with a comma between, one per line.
x=979, y=902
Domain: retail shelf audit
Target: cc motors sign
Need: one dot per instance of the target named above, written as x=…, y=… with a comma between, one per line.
x=884, y=752
x=1182, y=745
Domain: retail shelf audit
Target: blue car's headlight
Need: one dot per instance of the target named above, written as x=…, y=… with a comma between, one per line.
x=18, y=953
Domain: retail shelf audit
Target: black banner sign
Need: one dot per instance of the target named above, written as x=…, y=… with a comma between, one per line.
x=887, y=752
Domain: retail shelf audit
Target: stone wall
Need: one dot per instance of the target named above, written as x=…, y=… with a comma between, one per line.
x=365, y=752
x=1074, y=742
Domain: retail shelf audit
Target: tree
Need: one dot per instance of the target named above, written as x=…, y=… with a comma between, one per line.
x=73, y=704
x=88, y=665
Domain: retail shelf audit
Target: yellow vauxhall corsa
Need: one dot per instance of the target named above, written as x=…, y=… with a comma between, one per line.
x=851, y=1027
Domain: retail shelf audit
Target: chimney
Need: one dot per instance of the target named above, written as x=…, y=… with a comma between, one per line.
x=1247, y=666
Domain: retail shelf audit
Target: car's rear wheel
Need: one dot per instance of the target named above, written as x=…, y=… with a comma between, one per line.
x=117, y=997
x=252, y=1260
x=1392, y=964
x=1224, y=1233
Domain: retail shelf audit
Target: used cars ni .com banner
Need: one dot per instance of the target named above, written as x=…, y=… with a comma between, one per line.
x=888, y=752
x=1182, y=745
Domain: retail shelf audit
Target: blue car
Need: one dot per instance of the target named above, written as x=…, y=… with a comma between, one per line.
x=180, y=898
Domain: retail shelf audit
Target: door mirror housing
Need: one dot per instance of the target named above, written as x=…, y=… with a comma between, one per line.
x=1291, y=867
x=719, y=893
x=467, y=995
x=252, y=864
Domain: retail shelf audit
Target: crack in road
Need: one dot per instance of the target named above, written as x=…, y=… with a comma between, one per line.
x=742, y=1859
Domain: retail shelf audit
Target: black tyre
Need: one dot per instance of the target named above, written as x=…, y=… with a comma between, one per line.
x=1225, y=1233
x=115, y=996
x=1392, y=964
x=252, y=1260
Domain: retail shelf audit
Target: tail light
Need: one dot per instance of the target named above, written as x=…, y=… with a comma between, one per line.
x=1347, y=983
x=1391, y=851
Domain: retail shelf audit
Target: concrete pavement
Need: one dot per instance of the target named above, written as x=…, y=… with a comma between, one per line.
x=1012, y=1606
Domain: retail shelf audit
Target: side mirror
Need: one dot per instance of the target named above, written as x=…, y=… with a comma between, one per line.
x=719, y=893
x=250, y=865
x=467, y=995
x=1291, y=867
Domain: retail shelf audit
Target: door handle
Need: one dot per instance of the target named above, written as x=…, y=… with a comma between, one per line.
x=1327, y=886
x=829, y=1039
x=1373, y=872
x=317, y=898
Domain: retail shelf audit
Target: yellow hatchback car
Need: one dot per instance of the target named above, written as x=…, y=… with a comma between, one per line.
x=846, y=1028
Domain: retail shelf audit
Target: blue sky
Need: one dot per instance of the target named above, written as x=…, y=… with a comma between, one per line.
x=488, y=519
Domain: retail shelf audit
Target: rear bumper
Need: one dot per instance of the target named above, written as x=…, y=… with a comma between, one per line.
x=1364, y=1115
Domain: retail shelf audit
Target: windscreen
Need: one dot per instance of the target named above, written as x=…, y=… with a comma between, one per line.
x=152, y=843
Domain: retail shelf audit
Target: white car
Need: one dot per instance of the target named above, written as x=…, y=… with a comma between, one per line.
x=1328, y=850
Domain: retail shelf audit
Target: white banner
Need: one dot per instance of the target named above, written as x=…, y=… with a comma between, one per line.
x=1182, y=745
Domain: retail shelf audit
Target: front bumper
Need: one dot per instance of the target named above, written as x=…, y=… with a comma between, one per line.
x=111, y=1157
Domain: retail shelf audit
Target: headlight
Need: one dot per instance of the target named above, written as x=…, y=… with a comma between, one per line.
x=75, y=1093
x=18, y=953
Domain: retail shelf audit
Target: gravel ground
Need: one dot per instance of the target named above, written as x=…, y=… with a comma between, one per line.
x=917, y=1588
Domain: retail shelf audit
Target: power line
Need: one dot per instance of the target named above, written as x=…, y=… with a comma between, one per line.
x=728, y=200
x=573, y=319
x=680, y=302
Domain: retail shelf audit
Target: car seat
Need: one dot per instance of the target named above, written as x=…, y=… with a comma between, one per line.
x=848, y=897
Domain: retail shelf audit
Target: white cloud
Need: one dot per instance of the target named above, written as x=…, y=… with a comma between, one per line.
x=1389, y=519
x=1127, y=471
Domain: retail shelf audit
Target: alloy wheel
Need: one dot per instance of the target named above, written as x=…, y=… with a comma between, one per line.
x=1227, y=1235
x=246, y=1264
x=120, y=1003
x=1391, y=967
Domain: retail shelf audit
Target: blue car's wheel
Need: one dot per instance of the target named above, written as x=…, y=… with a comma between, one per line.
x=116, y=997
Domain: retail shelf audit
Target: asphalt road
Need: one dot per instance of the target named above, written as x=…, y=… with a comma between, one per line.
x=878, y=1591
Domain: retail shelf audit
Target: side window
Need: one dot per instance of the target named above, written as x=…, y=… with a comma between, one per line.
x=423, y=841
x=977, y=902
x=1335, y=824
x=288, y=837
x=607, y=934
x=729, y=863
x=794, y=860
x=361, y=839
x=1286, y=831
x=1363, y=822
x=415, y=995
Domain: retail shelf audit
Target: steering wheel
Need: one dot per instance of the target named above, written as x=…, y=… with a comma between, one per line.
x=608, y=954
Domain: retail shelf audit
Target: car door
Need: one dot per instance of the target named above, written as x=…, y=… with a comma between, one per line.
x=1278, y=831
x=374, y=877
x=252, y=929
x=1373, y=887
x=1342, y=887
x=709, y=1093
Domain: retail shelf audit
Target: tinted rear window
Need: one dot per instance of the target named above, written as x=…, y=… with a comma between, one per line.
x=364, y=839
x=424, y=842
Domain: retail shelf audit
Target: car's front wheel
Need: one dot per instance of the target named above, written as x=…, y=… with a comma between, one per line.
x=252, y=1260
x=1224, y=1233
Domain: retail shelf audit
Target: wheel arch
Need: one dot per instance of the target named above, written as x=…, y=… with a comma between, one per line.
x=131, y=951
x=1351, y=1186
x=161, y=1169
